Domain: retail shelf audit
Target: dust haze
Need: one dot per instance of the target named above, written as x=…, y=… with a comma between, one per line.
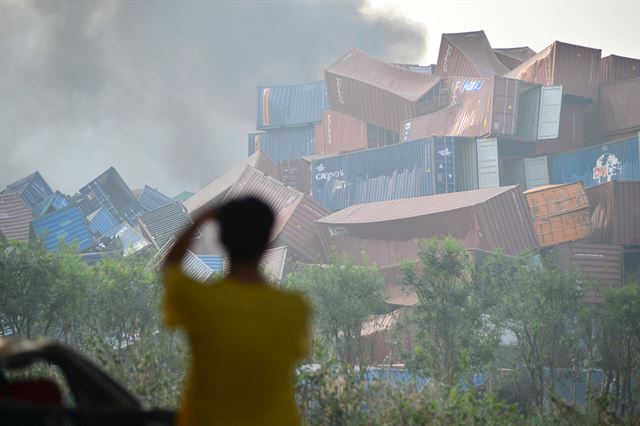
x=164, y=92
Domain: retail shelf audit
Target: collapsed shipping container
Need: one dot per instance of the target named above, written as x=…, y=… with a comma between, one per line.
x=560, y=213
x=15, y=217
x=390, y=231
x=575, y=68
x=619, y=107
x=67, y=225
x=501, y=162
x=283, y=144
x=572, y=128
x=598, y=263
x=33, y=189
x=618, y=68
x=597, y=164
x=151, y=199
x=616, y=209
x=497, y=106
x=102, y=221
x=125, y=238
x=53, y=202
x=110, y=191
x=163, y=223
x=511, y=57
x=291, y=106
x=411, y=169
x=215, y=191
x=468, y=54
x=379, y=93
x=296, y=174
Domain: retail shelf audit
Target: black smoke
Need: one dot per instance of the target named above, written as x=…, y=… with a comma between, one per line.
x=163, y=91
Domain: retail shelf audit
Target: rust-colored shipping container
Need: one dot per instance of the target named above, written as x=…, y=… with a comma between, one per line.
x=618, y=68
x=560, y=213
x=511, y=57
x=15, y=217
x=390, y=231
x=296, y=174
x=379, y=93
x=468, y=55
x=340, y=133
x=576, y=68
x=616, y=209
x=619, y=107
x=571, y=131
x=601, y=263
x=480, y=107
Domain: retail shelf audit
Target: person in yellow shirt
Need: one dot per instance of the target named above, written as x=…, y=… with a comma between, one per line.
x=245, y=335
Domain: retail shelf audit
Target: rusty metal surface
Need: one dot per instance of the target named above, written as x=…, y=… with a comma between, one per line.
x=616, y=209
x=389, y=231
x=468, y=55
x=599, y=263
x=296, y=174
x=511, y=57
x=377, y=92
x=619, y=107
x=15, y=217
x=340, y=133
x=618, y=68
x=215, y=191
x=576, y=68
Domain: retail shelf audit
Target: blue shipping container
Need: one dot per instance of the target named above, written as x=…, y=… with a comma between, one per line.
x=216, y=263
x=109, y=190
x=597, y=164
x=33, y=189
x=151, y=199
x=68, y=224
x=101, y=221
x=289, y=106
x=55, y=201
x=409, y=169
x=283, y=144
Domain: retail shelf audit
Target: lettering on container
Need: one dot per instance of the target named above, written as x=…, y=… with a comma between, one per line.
x=329, y=141
x=607, y=166
x=446, y=152
x=265, y=106
x=323, y=174
x=339, y=91
x=446, y=58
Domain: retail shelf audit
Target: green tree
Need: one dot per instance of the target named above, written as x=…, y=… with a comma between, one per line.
x=343, y=296
x=452, y=338
x=540, y=306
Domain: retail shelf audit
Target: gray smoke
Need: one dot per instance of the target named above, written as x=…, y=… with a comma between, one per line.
x=163, y=91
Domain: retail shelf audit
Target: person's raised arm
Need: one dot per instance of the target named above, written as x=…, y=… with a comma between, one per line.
x=181, y=246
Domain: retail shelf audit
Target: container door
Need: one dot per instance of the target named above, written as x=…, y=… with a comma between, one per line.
x=488, y=167
x=550, y=105
x=444, y=156
x=536, y=171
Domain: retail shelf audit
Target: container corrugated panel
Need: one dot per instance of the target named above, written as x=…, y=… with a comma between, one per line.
x=130, y=241
x=468, y=54
x=194, y=267
x=287, y=143
x=404, y=170
x=619, y=107
x=597, y=164
x=466, y=169
x=618, y=68
x=512, y=172
x=615, y=207
x=109, y=190
x=55, y=201
x=296, y=174
x=15, y=217
x=511, y=57
x=151, y=199
x=289, y=106
x=215, y=263
x=272, y=263
x=536, y=172
x=340, y=133
x=596, y=262
x=101, y=221
x=68, y=224
x=389, y=231
x=376, y=92
x=215, y=191
x=33, y=189
x=576, y=68
x=165, y=222
x=427, y=69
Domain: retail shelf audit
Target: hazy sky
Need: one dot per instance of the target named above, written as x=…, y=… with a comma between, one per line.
x=165, y=91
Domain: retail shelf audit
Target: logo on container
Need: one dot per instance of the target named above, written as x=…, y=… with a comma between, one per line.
x=325, y=175
x=445, y=152
x=407, y=128
x=339, y=91
x=607, y=166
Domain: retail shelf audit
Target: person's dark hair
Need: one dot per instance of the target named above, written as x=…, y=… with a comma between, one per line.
x=245, y=227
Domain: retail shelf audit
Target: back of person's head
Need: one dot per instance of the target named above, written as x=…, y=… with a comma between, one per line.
x=245, y=228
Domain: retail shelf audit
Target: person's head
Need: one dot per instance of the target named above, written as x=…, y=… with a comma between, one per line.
x=245, y=228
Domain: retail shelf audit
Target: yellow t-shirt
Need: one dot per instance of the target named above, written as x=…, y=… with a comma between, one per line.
x=245, y=339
